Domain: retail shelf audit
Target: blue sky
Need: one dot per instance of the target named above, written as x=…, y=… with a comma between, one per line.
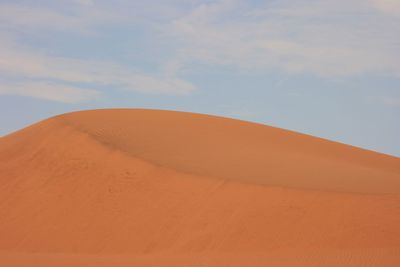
x=329, y=68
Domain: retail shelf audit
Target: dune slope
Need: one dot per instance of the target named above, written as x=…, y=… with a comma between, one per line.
x=145, y=187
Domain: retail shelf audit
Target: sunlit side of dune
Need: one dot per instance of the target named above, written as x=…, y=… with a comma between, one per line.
x=120, y=186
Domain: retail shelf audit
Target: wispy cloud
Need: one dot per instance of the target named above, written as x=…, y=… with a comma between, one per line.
x=48, y=91
x=32, y=19
x=391, y=7
x=324, y=38
x=20, y=61
x=391, y=101
x=85, y=2
x=24, y=63
x=327, y=38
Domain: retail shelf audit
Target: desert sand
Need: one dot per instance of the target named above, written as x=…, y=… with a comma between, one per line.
x=131, y=187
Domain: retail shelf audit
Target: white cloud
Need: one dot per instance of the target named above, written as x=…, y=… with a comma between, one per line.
x=48, y=91
x=19, y=18
x=391, y=101
x=17, y=61
x=391, y=7
x=329, y=38
x=150, y=84
x=325, y=38
x=85, y=2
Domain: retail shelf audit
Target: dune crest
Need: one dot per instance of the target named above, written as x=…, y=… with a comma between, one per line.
x=171, y=187
x=238, y=150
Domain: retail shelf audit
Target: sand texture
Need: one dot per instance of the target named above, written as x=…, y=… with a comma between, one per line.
x=126, y=187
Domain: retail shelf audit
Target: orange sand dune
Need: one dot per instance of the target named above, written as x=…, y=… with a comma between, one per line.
x=161, y=188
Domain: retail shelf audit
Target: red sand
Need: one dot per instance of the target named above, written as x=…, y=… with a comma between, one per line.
x=160, y=188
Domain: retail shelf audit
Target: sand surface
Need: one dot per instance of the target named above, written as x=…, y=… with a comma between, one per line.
x=160, y=188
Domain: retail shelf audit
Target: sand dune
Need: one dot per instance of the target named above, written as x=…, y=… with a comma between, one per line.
x=161, y=188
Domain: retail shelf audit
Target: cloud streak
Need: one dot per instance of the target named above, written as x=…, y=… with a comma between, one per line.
x=18, y=61
x=326, y=38
x=391, y=101
x=26, y=65
x=48, y=91
x=331, y=38
x=391, y=7
x=32, y=19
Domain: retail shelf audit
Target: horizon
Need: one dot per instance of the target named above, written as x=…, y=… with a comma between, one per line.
x=206, y=114
x=328, y=69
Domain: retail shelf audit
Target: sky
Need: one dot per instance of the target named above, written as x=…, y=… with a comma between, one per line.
x=329, y=68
